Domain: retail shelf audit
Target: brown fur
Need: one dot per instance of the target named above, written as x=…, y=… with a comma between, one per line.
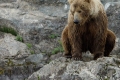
x=90, y=33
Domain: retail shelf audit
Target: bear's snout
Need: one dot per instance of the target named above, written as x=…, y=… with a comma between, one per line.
x=76, y=21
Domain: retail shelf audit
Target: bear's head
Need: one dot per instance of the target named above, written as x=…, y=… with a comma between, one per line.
x=82, y=10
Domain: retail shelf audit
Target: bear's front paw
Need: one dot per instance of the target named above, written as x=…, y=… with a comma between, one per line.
x=68, y=55
x=77, y=57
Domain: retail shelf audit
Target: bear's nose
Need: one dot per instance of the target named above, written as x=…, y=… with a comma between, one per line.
x=76, y=21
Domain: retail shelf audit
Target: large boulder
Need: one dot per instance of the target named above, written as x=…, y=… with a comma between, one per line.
x=16, y=61
x=12, y=54
x=65, y=69
x=14, y=48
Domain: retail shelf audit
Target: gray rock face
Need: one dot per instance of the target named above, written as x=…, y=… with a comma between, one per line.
x=63, y=69
x=6, y=1
x=11, y=47
x=46, y=1
x=35, y=58
x=15, y=62
x=12, y=54
x=38, y=27
x=40, y=23
x=105, y=1
x=35, y=24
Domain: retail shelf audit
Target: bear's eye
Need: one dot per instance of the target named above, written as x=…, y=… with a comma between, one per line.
x=74, y=5
x=79, y=11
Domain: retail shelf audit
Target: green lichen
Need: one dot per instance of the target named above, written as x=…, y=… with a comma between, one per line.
x=57, y=49
x=32, y=51
x=6, y=29
x=53, y=36
x=1, y=71
x=19, y=38
x=38, y=77
x=29, y=45
x=30, y=48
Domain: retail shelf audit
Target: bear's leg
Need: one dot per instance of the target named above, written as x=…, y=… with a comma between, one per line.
x=110, y=43
x=65, y=43
x=76, y=48
x=97, y=55
x=98, y=47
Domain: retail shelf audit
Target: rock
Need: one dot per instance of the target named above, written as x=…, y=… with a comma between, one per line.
x=7, y=1
x=3, y=52
x=35, y=58
x=12, y=55
x=7, y=5
x=64, y=69
x=3, y=77
x=7, y=23
x=111, y=4
x=14, y=48
x=105, y=1
x=56, y=56
x=46, y=1
x=34, y=25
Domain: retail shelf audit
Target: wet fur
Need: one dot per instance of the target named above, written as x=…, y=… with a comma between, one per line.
x=92, y=35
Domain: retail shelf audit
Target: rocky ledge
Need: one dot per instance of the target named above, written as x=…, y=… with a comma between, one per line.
x=107, y=68
x=34, y=50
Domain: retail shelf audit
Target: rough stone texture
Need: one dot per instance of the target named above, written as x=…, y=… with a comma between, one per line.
x=51, y=1
x=41, y=25
x=6, y=1
x=36, y=27
x=35, y=58
x=12, y=54
x=35, y=24
x=105, y=1
x=63, y=69
x=15, y=62
x=13, y=47
x=46, y=1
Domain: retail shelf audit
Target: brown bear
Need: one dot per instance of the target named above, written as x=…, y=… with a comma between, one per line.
x=86, y=29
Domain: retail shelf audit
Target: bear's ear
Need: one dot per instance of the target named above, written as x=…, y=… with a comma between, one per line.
x=70, y=1
x=88, y=1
